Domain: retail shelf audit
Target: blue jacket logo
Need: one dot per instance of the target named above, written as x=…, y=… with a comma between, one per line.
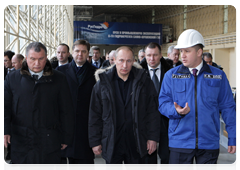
x=175, y=76
x=210, y=76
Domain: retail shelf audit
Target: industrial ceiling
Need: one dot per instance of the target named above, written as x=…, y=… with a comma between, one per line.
x=100, y=12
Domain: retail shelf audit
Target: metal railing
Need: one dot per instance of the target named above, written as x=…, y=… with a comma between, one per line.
x=221, y=40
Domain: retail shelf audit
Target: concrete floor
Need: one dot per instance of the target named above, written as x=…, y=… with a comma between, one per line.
x=226, y=161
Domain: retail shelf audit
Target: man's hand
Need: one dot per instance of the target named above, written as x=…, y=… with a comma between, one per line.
x=6, y=140
x=97, y=150
x=231, y=149
x=151, y=146
x=63, y=146
x=180, y=110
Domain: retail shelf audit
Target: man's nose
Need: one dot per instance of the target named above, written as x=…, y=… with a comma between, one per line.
x=37, y=62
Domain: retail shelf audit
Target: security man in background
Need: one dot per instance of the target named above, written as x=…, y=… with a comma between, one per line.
x=208, y=59
x=63, y=56
x=173, y=56
x=17, y=61
x=156, y=67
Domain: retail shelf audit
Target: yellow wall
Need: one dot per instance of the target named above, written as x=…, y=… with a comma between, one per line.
x=207, y=19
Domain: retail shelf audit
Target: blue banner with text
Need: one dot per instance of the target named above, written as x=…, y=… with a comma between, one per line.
x=117, y=33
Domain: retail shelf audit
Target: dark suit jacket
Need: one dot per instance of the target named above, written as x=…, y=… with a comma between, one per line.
x=81, y=94
x=55, y=62
x=164, y=68
x=170, y=62
x=101, y=62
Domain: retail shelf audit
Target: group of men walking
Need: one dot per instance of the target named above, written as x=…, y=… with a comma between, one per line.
x=76, y=111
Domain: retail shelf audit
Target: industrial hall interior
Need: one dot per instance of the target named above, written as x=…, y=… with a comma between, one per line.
x=108, y=29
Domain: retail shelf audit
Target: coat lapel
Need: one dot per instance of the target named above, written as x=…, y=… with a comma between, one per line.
x=87, y=73
x=71, y=73
x=161, y=78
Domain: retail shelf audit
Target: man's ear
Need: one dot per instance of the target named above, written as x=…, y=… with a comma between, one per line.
x=199, y=52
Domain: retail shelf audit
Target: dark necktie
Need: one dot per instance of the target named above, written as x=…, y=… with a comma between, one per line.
x=78, y=69
x=194, y=72
x=96, y=64
x=35, y=76
x=155, y=79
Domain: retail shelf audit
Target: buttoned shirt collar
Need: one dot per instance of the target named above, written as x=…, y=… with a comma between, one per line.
x=59, y=64
x=157, y=72
x=39, y=73
x=199, y=67
x=93, y=61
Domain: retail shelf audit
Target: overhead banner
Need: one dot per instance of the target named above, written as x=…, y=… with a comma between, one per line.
x=117, y=33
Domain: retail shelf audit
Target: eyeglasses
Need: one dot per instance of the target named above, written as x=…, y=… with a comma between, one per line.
x=6, y=60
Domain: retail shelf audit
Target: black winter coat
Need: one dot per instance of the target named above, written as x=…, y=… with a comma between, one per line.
x=165, y=66
x=54, y=63
x=81, y=94
x=170, y=62
x=34, y=113
x=102, y=115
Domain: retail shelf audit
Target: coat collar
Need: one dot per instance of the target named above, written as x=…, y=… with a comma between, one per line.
x=71, y=71
x=134, y=70
x=184, y=70
x=47, y=71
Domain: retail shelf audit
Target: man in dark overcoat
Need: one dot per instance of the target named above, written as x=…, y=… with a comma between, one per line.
x=156, y=67
x=63, y=56
x=80, y=77
x=38, y=120
x=123, y=119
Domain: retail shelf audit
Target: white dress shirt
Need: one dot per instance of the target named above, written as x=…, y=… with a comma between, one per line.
x=39, y=73
x=158, y=72
x=199, y=67
x=59, y=64
x=98, y=65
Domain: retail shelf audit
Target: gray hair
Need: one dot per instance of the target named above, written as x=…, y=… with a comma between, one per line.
x=112, y=53
x=170, y=49
x=37, y=47
x=140, y=51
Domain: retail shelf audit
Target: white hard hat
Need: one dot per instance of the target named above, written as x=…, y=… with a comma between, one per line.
x=189, y=38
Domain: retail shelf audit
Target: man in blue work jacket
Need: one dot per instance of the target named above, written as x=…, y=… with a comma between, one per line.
x=191, y=96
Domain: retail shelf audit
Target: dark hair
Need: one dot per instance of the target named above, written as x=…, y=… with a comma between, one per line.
x=81, y=42
x=198, y=46
x=63, y=44
x=19, y=56
x=153, y=45
x=95, y=48
x=36, y=46
x=9, y=53
x=208, y=55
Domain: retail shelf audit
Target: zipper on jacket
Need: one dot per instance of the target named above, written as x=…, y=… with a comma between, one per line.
x=196, y=112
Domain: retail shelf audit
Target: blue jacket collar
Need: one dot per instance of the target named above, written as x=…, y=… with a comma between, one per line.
x=184, y=70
